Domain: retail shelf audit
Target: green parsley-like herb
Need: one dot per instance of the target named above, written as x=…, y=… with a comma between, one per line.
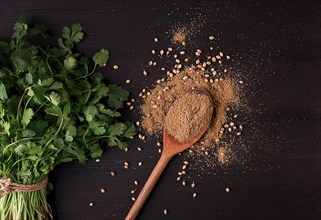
x=54, y=108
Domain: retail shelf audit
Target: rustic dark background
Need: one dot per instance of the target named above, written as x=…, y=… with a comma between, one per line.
x=276, y=48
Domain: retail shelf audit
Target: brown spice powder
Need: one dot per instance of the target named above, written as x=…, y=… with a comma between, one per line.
x=224, y=155
x=156, y=106
x=188, y=115
x=179, y=35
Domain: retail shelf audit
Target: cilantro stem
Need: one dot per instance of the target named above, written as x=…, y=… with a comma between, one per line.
x=99, y=137
x=20, y=103
x=41, y=106
x=9, y=71
x=26, y=105
x=92, y=72
x=23, y=139
x=47, y=63
x=58, y=130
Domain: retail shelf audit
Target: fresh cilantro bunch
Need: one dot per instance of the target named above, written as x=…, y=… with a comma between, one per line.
x=54, y=108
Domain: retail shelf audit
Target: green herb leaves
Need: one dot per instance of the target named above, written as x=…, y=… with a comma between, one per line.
x=26, y=117
x=101, y=57
x=60, y=109
x=3, y=92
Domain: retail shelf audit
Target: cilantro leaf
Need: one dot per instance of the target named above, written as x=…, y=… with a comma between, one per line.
x=130, y=130
x=116, y=129
x=70, y=63
x=3, y=92
x=117, y=95
x=95, y=151
x=26, y=116
x=100, y=58
x=21, y=149
x=6, y=127
x=46, y=82
x=21, y=59
x=97, y=127
x=56, y=86
x=90, y=112
x=54, y=110
x=19, y=31
x=54, y=98
x=70, y=133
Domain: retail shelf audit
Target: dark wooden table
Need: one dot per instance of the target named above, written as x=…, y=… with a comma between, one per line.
x=276, y=45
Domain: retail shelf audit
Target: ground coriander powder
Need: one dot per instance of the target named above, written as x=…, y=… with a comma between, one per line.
x=188, y=116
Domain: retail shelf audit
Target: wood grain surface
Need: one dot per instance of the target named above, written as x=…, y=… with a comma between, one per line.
x=275, y=47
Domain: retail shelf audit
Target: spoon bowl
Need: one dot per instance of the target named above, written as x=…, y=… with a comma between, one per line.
x=171, y=147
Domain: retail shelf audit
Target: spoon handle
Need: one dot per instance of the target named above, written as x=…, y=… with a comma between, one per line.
x=149, y=185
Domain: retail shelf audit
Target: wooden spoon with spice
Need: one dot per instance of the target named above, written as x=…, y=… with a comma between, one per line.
x=186, y=121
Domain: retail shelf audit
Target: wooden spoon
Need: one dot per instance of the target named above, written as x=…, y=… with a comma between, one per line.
x=171, y=147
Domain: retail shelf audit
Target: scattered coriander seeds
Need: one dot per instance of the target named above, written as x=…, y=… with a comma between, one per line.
x=102, y=190
x=127, y=81
x=156, y=39
x=97, y=160
x=115, y=67
x=201, y=70
x=136, y=182
x=145, y=73
x=91, y=204
x=133, y=199
x=140, y=163
x=112, y=173
x=238, y=133
x=139, y=148
x=165, y=211
x=227, y=189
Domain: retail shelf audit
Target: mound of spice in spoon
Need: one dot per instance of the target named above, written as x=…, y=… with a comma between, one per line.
x=186, y=118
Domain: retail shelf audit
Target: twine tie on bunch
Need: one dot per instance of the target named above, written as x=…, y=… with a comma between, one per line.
x=6, y=186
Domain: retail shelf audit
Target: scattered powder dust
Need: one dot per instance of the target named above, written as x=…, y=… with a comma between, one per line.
x=224, y=155
x=188, y=115
x=183, y=34
x=204, y=68
x=179, y=36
